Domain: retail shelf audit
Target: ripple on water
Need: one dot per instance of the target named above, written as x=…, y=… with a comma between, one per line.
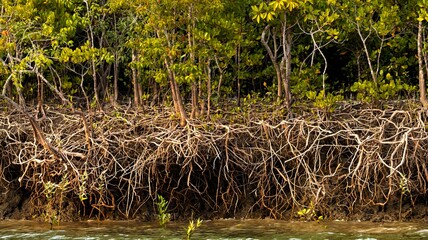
x=422, y=232
x=29, y=235
x=61, y=237
x=7, y=236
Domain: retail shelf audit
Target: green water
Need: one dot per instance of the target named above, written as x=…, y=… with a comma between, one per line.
x=218, y=229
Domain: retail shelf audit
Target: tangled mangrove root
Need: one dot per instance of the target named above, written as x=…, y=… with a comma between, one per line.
x=352, y=159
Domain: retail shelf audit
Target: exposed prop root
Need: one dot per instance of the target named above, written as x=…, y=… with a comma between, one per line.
x=357, y=157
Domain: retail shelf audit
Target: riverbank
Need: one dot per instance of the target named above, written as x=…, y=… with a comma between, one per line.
x=355, y=163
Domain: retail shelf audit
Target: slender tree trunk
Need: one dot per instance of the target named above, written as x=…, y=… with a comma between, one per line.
x=422, y=86
x=115, y=64
x=20, y=94
x=238, y=60
x=175, y=90
x=366, y=51
x=8, y=89
x=18, y=84
x=105, y=70
x=201, y=100
x=155, y=99
x=176, y=96
x=221, y=72
x=171, y=78
x=191, y=42
x=40, y=94
x=288, y=70
x=135, y=80
x=208, y=90
x=273, y=57
x=287, y=40
x=115, y=78
x=95, y=79
x=195, y=109
x=93, y=64
x=139, y=89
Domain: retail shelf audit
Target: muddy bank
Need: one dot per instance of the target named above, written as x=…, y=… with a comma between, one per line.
x=353, y=164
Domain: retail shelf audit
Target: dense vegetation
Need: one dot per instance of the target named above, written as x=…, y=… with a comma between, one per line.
x=221, y=106
x=203, y=52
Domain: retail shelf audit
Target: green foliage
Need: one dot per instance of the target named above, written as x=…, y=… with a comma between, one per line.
x=307, y=79
x=369, y=91
x=191, y=228
x=82, y=186
x=162, y=206
x=324, y=101
x=268, y=11
x=52, y=213
x=404, y=185
x=422, y=10
x=63, y=39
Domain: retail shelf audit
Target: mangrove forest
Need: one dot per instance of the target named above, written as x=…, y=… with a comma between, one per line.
x=159, y=109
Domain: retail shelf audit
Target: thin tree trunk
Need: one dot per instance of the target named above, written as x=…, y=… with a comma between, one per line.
x=115, y=78
x=208, y=90
x=366, y=51
x=40, y=94
x=422, y=86
x=288, y=71
x=176, y=96
x=93, y=64
x=220, y=81
x=8, y=88
x=94, y=77
x=135, y=79
x=175, y=90
x=19, y=91
x=171, y=84
x=238, y=59
x=105, y=70
x=273, y=57
x=195, y=109
x=115, y=65
x=155, y=99
x=139, y=89
x=287, y=39
x=21, y=99
x=191, y=42
x=200, y=99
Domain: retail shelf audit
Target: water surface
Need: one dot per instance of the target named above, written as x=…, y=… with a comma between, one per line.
x=218, y=229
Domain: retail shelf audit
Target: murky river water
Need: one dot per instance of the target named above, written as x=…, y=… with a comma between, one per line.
x=218, y=229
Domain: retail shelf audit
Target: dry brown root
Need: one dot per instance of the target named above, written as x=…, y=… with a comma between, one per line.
x=259, y=164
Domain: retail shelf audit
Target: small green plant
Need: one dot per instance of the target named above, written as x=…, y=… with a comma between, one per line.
x=50, y=215
x=51, y=190
x=192, y=227
x=82, y=186
x=309, y=214
x=404, y=185
x=163, y=216
x=62, y=187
